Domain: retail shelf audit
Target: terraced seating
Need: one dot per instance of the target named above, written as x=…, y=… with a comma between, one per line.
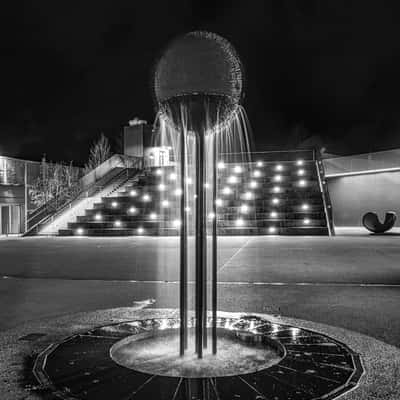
x=258, y=198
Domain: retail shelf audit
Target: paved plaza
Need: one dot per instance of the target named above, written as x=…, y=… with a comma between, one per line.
x=349, y=281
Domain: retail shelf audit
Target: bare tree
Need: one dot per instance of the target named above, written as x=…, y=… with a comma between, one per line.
x=99, y=152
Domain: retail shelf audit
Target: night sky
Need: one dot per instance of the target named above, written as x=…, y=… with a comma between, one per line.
x=70, y=70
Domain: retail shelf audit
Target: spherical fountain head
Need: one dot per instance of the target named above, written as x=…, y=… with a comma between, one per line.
x=201, y=72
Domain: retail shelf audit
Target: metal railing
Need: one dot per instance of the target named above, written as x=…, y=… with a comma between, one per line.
x=271, y=156
x=325, y=193
x=117, y=175
x=363, y=163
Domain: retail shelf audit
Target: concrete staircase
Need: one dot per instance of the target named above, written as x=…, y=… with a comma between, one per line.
x=258, y=198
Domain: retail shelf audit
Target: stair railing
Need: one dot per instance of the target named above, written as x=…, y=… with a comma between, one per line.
x=325, y=192
x=49, y=212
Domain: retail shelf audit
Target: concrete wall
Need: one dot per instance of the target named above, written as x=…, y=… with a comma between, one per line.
x=353, y=196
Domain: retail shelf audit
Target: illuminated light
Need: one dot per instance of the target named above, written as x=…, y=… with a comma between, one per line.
x=219, y=202
x=161, y=187
x=172, y=177
x=275, y=200
x=299, y=163
x=271, y=229
x=211, y=215
x=244, y=208
x=133, y=193
x=140, y=231
x=238, y=169
x=97, y=217
x=146, y=197
x=221, y=165
x=259, y=164
x=226, y=190
x=276, y=189
x=114, y=204
x=256, y=173
x=278, y=178
x=253, y=184
x=306, y=221
x=176, y=223
x=165, y=203
x=300, y=172
x=248, y=195
x=207, y=185
x=189, y=181
x=79, y=231
x=132, y=210
x=302, y=182
x=279, y=167
x=187, y=209
x=178, y=192
x=239, y=222
x=117, y=223
x=153, y=216
x=305, y=206
x=233, y=179
x=159, y=172
x=273, y=214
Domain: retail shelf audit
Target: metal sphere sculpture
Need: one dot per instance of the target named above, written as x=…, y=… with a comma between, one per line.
x=202, y=71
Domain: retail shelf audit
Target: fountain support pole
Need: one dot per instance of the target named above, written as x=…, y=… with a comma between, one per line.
x=214, y=245
x=183, y=250
x=201, y=250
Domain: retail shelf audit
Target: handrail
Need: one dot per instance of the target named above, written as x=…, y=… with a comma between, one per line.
x=325, y=193
x=274, y=155
x=90, y=191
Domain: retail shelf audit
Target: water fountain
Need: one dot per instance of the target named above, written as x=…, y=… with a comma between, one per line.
x=198, y=85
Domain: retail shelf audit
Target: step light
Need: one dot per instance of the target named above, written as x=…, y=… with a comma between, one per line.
x=153, y=216
x=244, y=208
x=248, y=195
x=233, y=179
x=279, y=167
x=117, y=223
x=305, y=206
x=206, y=185
x=178, y=192
x=97, y=217
x=277, y=178
x=239, y=222
x=238, y=169
x=176, y=223
x=211, y=216
x=299, y=163
x=306, y=221
x=256, y=173
x=187, y=209
x=146, y=198
x=172, y=176
x=220, y=165
x=79, y=231
x=226, y=190
x=275, y=200
x=161, y=187
x=165, y=203
x=253, y=184
x=132, y=210
x=300, y=172
x=114, y=204
x=133, y=193
x=140, y=230
x=219, y=202
x=259, y=164
x=189, y=181
x=271, y=229
x=159, y=172
x=276, y=189
x=273, y=214
x=302, y=182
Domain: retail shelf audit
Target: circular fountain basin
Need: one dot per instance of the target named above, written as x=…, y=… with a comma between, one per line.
x=159, y=354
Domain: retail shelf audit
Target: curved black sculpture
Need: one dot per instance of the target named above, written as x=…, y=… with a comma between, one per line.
x=371, y=222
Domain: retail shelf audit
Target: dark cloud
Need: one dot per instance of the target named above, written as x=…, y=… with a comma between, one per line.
x=70, y=70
